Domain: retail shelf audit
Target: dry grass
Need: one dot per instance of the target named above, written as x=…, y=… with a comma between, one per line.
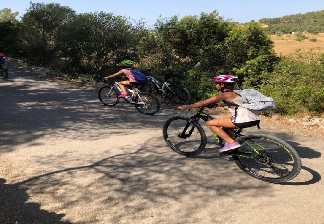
x=288, y=44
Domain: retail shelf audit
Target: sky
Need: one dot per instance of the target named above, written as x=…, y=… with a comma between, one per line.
x=150, y=11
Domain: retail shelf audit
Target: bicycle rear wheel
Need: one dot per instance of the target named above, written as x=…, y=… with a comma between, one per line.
x=147, y=104
x=108, y=96
x=267, y=158
x=184, y=136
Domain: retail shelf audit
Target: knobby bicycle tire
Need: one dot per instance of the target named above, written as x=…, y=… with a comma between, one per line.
x=153, y=101
x=296, y=166
x=101, y=93
x=192, y=125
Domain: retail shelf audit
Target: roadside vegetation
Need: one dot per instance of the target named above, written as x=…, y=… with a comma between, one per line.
x=84, y=44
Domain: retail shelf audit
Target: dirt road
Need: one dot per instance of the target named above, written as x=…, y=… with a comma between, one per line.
x=64, y=158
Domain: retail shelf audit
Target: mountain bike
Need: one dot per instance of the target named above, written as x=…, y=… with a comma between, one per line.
x=262, y=156
x=169, y=91
x=144, y=102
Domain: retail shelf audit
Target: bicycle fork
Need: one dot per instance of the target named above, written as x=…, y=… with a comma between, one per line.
x=183, y=133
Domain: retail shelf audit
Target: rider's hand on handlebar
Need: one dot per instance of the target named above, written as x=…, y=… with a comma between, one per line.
x=184, y=107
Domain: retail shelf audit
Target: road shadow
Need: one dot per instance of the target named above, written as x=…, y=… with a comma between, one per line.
x=312, y=177
x=303, y=151
x=32, y=108
x=14, y=207
x=151, y=175
x=315, y=177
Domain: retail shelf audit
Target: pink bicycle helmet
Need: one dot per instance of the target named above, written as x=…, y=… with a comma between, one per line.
x=224, y=78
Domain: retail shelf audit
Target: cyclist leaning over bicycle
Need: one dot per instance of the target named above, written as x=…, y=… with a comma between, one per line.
x=240, y=118
x=132, y=74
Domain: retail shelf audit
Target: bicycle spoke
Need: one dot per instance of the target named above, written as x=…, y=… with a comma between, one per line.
x=108, y=96
x=184, y=137
x=147, y=104
x=267, y=158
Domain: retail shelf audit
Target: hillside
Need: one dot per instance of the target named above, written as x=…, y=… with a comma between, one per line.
x=288, y=44
x=312, y=22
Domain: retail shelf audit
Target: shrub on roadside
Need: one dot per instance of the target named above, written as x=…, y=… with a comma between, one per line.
x=297, y=83
x=89, y=43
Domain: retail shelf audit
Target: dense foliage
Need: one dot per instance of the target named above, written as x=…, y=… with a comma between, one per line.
x=297, y=83
x=8, y=31
x=6, y=15
x=89, y=43
x=312, y=22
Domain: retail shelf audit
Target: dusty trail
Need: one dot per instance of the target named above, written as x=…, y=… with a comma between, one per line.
x=64, y=158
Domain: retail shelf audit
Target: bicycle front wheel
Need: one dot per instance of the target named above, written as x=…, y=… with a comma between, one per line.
x=108, y=96
x=268, y=158
x=184, y=136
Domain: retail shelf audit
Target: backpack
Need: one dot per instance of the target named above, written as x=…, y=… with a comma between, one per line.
x=255, y=101
x=139, y=76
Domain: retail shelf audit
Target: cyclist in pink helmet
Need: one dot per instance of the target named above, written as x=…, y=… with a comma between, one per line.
x=240, y=116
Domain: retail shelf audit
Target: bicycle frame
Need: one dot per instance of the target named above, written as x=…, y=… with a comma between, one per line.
x=166, y=88
x=257, y=154
x=156, y=82
x=163, y=88
x=236, y=132
x=135, y=93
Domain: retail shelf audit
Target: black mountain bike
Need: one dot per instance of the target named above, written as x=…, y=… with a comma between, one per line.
x=144, y=102
x=171, y=92
x=262, y=156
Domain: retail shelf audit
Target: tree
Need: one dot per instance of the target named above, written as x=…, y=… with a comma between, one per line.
x=6, y=15
x=9, y=29
x=39, y=30
x=96, y=40
x=8, y=37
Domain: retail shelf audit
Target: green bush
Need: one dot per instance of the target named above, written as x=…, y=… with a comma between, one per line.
x=39, y=29
x=95, y=41
x=251, y=73
x=8, y=38
x=9, y=30
x=297, y=84
x=88, y=43
x=218, y=45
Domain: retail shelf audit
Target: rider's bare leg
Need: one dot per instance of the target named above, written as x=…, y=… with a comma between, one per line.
x=122, y=85
x=216, y=126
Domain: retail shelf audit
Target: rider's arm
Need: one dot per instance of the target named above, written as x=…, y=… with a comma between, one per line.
x=211, y=100
x=114, y=75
